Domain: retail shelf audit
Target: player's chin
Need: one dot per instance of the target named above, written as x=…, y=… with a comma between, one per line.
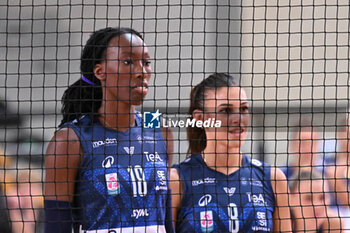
x=137, y=100
x=235, y=143
x=237, y=137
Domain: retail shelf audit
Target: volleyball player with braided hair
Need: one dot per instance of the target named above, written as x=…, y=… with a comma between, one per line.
x=217, y=188
x=98, y=175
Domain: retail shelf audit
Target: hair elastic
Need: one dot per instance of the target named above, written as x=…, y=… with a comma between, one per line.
x=88, y=81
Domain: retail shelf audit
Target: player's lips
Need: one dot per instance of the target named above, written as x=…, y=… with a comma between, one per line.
x=236, y=130
x=141, y=88
x=143, y=84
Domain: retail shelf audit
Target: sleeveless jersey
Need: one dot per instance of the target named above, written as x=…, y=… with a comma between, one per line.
x=123, y=179
x=214, y=202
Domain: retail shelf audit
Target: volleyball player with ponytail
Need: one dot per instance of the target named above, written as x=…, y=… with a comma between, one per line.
x=217, y=188
x=98, y=178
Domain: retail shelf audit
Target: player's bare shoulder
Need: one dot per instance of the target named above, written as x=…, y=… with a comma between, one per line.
x=65, y=141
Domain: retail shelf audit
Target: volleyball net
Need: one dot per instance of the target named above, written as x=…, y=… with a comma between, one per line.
x=291, y=57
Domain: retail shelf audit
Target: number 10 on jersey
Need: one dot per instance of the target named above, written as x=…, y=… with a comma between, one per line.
x=138, y=181
x=233, y=218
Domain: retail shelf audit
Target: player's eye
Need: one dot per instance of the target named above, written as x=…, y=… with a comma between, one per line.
x=146, y=62
x=127, y=62
x=244, y=109
x=225, y=111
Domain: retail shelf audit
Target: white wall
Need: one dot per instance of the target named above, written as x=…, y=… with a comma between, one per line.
x=288, y=53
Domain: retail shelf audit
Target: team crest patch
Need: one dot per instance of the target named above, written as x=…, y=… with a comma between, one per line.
x=112, y=184
x=207, y=222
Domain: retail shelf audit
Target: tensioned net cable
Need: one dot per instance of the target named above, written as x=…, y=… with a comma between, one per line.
x=264, y=145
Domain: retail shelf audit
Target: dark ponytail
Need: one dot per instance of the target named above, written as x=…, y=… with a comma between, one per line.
x=196, y=136
x=85, y=97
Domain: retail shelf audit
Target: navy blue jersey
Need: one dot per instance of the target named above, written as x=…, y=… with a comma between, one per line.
x=214, y=202
x=123, y=179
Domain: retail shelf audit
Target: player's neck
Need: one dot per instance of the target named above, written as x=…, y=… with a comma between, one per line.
x=120, y=118
x=223, y=159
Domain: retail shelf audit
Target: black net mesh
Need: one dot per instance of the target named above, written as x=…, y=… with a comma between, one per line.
x=108, y=172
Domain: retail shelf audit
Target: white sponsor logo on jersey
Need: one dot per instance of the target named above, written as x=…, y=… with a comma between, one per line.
x=230, y=191
x=136, y=213
x=146, y=139
x=256, y=183
x=256, y=198
x=149, y=139
x=207, y=180
x=251, y=181
x=261, y=216
x=244, y=181
x=256, y=162
x=107, y=142
x=133, y=229
x=162, y=177
x=130, y=150
x=161, y=181
x=161, y=187
x=153, y=157
x=108, y=162
x=204, y=200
